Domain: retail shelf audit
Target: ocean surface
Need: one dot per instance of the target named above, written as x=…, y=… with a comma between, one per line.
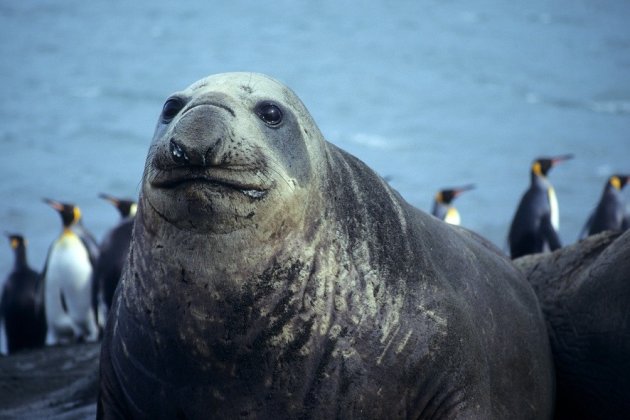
x=429, y=93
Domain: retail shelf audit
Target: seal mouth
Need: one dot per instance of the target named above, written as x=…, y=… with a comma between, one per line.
x=175, y=179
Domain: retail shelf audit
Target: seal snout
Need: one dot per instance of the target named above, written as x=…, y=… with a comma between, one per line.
x=200, y=152
x=178, y=153
x=197, y=137
x=185, y=155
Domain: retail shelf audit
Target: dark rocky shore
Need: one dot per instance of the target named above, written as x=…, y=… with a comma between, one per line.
x=50, y=383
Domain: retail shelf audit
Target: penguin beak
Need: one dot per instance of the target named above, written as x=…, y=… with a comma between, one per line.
x=54, y=204
x=463, y=189
x=109, y=198
x=559, y=159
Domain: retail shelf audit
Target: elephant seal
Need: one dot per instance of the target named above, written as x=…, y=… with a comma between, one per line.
x=584, y=290
x=271, y=274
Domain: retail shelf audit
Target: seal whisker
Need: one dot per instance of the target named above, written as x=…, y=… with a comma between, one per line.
x=272, y=168
x=277, y=172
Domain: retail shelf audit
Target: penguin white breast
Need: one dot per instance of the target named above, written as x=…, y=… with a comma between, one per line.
x=553, y=204
x=69, y=273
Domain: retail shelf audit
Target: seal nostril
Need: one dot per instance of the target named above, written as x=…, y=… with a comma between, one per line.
x=177, y=152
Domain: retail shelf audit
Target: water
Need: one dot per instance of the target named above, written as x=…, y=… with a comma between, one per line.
x=429, y=93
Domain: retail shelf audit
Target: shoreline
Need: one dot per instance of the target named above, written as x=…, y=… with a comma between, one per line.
x=59, y=382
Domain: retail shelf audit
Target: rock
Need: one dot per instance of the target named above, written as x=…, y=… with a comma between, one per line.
x=53, y=382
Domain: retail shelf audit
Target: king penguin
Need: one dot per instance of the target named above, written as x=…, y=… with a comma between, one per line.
x=112, y=255
x=22, y=304
x=70, y=312
x=537, y=219
x=442, y=207
x=610, y=213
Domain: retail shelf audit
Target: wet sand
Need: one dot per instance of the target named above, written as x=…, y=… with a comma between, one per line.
x=51, y=383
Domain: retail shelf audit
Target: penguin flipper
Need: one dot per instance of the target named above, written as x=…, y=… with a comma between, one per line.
x=89, y=242
x=93, y=251
x=3, y=305
x=62, y=299
x=92, y=248
x=549, y=233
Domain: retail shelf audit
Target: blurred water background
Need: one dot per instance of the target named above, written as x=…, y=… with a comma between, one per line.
x=430, y=93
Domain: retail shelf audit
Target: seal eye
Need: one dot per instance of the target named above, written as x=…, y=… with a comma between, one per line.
x=270, y=113
x=171, y=109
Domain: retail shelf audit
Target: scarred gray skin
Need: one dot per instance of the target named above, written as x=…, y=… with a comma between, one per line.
x=273, y=275
x=584, y=292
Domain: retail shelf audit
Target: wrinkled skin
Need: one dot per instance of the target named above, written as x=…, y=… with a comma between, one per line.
x=271, y=274
x=584, y=291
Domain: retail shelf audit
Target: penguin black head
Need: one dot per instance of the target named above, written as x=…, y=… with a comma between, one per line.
x=543, y=165
x=18, y=244
x=448, y=195
x=70, y=214
x=126, y=208
x=16, y=241
x=619, y=181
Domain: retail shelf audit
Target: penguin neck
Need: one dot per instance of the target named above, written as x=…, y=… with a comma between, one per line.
x=67, y=231
x=124, y=219
x=611, y=193
x=439, y=209
x=611, y=188
x=20, y=258
x=540, y=181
